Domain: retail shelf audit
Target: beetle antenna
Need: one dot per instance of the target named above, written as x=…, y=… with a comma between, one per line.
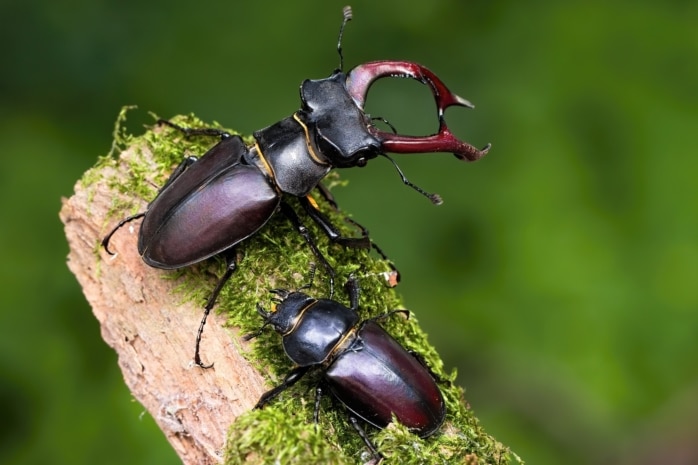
x=434, y=198
x=254, y=334
x=346, y=11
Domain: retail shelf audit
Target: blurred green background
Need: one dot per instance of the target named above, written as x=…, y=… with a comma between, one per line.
x=560, y=277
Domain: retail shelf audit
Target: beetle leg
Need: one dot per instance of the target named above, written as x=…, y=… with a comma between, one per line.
x=187, y=162
x=292, y=378
x=357, y=427
x=385, y=315
x=215, y=132
x=352, y=419
x=330, y=230
x=181, y=168
x=107, y=238
x=231, y=265
x=353, y=289
x=288, y=211
x=327, y=195
x=393, y=276
x=316, y=411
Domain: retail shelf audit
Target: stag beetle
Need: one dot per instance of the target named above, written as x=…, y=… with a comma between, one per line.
x=210, y=205
x=362, y=365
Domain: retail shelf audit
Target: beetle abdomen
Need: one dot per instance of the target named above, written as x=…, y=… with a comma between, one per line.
x=379, y=378
x=226, y=210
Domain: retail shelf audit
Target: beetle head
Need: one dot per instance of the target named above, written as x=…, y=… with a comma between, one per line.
x=288, y=308
x=337, y=126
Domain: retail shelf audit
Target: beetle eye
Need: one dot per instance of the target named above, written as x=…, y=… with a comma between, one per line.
x=361, y=162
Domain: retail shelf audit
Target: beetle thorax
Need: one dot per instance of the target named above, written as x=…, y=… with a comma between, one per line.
x=290, y=158
x=319, y=330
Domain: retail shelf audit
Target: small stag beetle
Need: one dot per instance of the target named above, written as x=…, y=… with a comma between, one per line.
x=210, y=205
x=362, y=365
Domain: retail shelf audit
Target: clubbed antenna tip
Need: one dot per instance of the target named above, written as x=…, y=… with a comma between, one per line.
x=346, y=11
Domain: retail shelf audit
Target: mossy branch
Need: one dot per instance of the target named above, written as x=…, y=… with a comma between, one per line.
x=150, y=317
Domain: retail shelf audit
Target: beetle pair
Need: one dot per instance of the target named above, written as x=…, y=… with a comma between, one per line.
x=210, y=205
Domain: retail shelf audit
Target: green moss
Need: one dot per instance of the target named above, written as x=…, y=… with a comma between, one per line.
x=277, y=257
